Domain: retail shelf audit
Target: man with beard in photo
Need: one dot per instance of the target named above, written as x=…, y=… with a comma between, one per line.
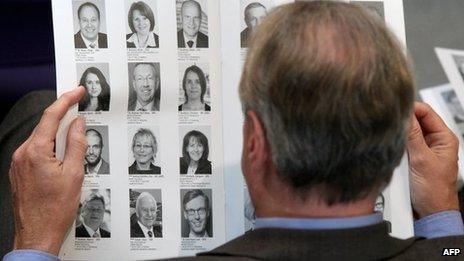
x=94, y=162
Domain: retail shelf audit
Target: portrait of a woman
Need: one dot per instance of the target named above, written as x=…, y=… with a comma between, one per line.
x=194, y=86
x=144, y=149
x=97, y=96
x=141, y=22
x=195, y=151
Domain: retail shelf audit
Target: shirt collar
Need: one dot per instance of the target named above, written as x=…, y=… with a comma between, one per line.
x=148, y=107
x=94, y=170
x=186, y=39
x=319, y=223
x=90, y=231
x=135, y=40
x=145, y=229
x=87, y=42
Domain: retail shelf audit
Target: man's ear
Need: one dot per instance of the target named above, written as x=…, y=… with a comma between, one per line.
x=185, y=214
x=255, y=144
x=256, y=151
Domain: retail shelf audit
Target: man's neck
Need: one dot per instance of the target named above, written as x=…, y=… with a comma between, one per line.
x=283, y=201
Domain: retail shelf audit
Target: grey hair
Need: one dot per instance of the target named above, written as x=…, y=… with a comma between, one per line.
x=142, y=196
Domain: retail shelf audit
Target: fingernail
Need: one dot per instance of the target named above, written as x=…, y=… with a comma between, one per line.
x=80, y=125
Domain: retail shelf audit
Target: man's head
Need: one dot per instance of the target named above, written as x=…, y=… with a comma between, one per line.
x=145, y=209
x=191, y=17
x=254, y=14
x=196, y=211
x=93, y=211
x=145, y=82
x=89, y=20
x=94, y=147
x=327, y=92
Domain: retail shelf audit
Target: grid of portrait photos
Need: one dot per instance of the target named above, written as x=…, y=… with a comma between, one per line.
x=159, y=92
x=148, y=69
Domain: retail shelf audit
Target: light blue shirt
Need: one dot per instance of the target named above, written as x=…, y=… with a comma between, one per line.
x=442, y=224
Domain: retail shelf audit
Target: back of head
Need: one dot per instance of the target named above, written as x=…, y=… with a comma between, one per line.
x=334, y=92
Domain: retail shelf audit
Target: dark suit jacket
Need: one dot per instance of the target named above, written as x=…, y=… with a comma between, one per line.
x=79, y=42
x=244, y=37
x=136, y=231
x=153, y=169
x=82, y=232
x=365, y=243
x=204, y=167
x=132, y=45
x=104, y=168
x=202, y=40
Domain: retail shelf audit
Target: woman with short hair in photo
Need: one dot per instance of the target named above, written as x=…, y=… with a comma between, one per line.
x=194, y=86
x=195, y=151
x=97, y=96
x=141, y=22
x=144, y=149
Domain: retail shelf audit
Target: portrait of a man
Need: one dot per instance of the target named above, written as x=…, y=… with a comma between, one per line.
x=197, y=214
x=89, y=20
x=190, y=36
x=94, y=163
x=146, y=212
x=254, y=14
x=93, y=211
x=145, y=81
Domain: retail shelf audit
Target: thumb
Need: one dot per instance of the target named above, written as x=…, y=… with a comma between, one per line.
x=416, y=142
x=76, y=146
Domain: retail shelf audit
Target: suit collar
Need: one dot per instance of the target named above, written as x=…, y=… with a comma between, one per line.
x=364, y=243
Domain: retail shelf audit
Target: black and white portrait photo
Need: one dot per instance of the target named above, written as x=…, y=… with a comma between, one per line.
x=197, y=219
x=97, y=154
x=146, y=215
x=89, y=24
x=94, y=217
x=192, y=24
x=144, y=148
x=142, y=24
x=253, y=13
x=144, y=87
x=194, y=90
x=455, y=108
x=375, y=6
x=380, y=203
x=195, y=150
x=95, y=79
x=459, y=61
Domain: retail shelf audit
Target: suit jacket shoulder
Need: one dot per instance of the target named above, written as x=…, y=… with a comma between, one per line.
x=81, y=231
x=104, y=233
x=202, y=40
x=78, y=41
x=104, y=168
x=102, y=40
x=136, y=230
x=364, y=243
x=180, y=39
x=244, y=35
